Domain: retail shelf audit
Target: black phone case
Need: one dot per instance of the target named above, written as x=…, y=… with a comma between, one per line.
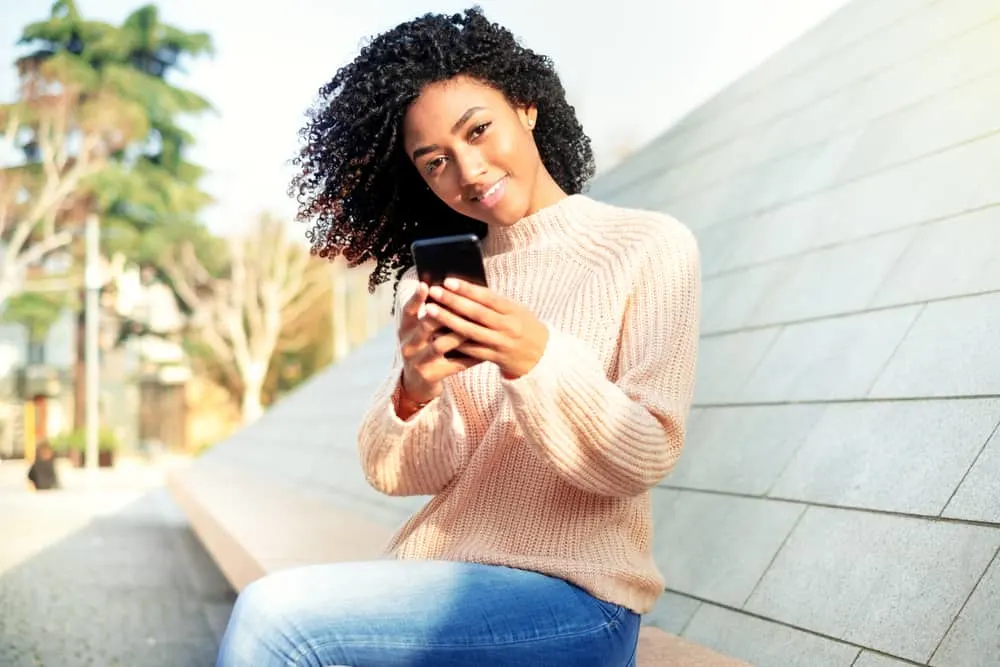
x=458, y=256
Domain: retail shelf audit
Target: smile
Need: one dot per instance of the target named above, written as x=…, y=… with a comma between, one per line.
x=490, y=198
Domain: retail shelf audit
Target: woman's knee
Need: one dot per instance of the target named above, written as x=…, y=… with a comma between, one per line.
x=260, y=625
x=254, y=602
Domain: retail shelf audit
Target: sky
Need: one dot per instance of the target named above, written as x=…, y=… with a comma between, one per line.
x=631, y=68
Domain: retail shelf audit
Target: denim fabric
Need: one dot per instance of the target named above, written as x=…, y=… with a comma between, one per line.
x=414, y=613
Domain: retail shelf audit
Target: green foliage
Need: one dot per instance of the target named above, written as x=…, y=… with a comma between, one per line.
x=146, y=209
x=76, y=441
x=36, y=311
x=149, y=196
x=150, y=184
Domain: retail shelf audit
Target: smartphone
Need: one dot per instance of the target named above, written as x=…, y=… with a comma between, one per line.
x=459, y=256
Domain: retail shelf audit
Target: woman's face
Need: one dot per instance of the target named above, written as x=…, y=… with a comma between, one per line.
x=475, y=151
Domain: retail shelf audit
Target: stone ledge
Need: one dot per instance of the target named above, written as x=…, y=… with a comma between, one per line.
x=252, y=525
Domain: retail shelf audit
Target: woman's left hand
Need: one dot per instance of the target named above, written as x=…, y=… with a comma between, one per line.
x=496, y=329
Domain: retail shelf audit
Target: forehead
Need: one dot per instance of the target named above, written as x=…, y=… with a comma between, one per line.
x=441, y=104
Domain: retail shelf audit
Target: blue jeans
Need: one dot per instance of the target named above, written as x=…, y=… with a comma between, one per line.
x=411, y=613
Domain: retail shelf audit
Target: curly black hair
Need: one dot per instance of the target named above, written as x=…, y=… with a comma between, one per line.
x=355, y=184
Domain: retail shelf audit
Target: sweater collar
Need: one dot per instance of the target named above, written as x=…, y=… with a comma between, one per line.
x=555, y=221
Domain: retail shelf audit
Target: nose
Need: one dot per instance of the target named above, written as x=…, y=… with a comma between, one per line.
x=471, y=166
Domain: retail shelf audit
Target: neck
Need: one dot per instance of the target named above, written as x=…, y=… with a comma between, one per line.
x=557, y=220
x=547, y=192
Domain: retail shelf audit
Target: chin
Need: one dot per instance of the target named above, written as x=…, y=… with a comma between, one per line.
x=509, y=221
x=500, y=220
x=504, y=214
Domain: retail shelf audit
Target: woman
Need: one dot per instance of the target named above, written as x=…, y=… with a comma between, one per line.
x=540, y=444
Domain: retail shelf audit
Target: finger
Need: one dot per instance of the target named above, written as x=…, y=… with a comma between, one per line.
x=478, y=352
x=446, y=342
x=467, y=308
x=419, y=336
x=411, y=310
x=419, y=329
x=462, y=326
x=480, y=294
x=436, y=367
x=424, y=350
x=445, y=367
x=426, y=327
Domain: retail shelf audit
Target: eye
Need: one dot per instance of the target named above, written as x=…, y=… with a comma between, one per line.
x=432, y=165
x=478, y=130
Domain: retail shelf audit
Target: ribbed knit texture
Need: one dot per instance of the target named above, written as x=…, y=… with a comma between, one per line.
x=551, y=472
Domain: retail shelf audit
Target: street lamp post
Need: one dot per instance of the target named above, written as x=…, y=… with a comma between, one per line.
x=92, y=285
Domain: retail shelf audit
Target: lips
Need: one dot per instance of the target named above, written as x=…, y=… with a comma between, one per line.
x=494, y=194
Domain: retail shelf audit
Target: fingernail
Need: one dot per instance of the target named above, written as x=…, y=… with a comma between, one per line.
x=436, y=292
x=431, y=310
x=451, y=283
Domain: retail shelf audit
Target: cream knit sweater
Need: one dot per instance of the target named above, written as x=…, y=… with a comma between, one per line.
x=551, y=472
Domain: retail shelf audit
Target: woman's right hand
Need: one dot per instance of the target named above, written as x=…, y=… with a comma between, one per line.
x=422, y=346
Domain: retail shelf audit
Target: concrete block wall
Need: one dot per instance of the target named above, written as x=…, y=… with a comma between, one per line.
x=839, y=500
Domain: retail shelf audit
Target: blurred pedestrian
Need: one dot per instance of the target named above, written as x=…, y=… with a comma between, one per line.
x=42, y=474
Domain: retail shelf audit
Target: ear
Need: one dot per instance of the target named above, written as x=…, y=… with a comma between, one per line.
x=528, y=116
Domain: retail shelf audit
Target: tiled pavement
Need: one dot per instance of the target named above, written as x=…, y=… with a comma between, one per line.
x=104, y=574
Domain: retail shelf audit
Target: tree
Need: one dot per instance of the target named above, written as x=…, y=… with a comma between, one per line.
x=37, y=313
x=66, y=127
x=305, y=345
x=149, y=181
x=239, y=311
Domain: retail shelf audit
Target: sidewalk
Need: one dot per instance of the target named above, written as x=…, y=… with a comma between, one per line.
x=104, y=574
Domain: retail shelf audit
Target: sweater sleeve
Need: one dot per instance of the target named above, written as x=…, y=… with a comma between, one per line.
x=621, y=438
x=418, y=456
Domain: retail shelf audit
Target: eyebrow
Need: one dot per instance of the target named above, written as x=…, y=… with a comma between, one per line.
x=424, y=150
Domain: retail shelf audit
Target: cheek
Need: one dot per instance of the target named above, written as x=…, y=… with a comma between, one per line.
x=508, y=151
x=447, y=188
x=523, y=155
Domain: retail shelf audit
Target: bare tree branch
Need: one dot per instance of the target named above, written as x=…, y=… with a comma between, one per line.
x=61, y=150
x=37, y=251
x=313, y=289
x=58, y=186
x=8, y=199
x=73, y=133
x=191, y=263
x=179, y=269
x=241, y=314
x=181, y=266
x=44, y=138
x=237, y=304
